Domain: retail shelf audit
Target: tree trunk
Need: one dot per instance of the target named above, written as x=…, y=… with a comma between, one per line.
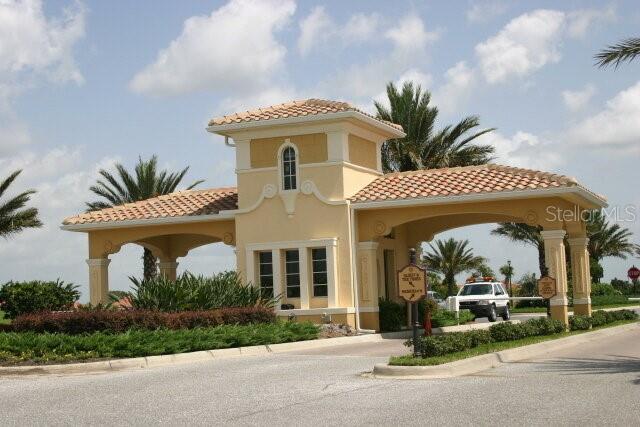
x=150, y=264
x=450, y=280
x=541, y=261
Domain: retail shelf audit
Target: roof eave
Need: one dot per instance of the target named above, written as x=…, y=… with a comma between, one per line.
x=106, y=225
x=592, y=200
x=387, y=130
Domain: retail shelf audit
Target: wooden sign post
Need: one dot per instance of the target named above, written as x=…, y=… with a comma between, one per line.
x=412, y=287
x=547, y=290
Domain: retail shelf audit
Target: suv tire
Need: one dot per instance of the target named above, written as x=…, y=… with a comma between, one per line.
x=506, y=315
x=493, y=316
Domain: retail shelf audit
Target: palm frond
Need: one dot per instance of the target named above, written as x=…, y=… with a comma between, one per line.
x=625, y=51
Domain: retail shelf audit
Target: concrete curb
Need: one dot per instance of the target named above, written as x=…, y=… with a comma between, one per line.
x=476, y=364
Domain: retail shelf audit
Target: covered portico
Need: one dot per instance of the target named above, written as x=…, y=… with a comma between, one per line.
x=400, y=211
x=169, y=226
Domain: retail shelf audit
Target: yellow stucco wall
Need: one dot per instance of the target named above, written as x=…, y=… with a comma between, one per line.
x=312, y=148
x=362, y=152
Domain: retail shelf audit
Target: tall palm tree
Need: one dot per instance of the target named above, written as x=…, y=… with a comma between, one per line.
x=524, y=233
x=424, y=147
x=608, y=240
x=626, y=50
x=451, y=257
x=13, y=217
x=148, y=182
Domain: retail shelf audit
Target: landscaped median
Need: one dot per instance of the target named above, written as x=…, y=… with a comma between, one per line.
x=463, y=353
x=103, y=334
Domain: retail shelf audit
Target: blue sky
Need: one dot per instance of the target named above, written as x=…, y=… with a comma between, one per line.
x=86, y=84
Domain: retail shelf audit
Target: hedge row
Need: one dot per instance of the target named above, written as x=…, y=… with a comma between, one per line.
x=599, y=318
x=440, y=345
x=89, y=321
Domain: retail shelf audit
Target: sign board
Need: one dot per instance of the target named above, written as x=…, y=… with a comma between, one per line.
x=412, y=283
x=633, y=273
x=546, y=287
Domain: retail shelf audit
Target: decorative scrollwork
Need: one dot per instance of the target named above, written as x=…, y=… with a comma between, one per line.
x=228, y=239
x=307, y=187
x=380, y=228
x=269, y=191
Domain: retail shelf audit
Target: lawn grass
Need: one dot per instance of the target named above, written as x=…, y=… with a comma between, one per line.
x=3, y=320
x=529, y=310
x=31, y=347
x=409, y=360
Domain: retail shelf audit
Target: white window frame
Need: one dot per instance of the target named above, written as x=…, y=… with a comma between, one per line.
x=325, y=272
x=288, y=144
x=279, y=287
x=260, y=275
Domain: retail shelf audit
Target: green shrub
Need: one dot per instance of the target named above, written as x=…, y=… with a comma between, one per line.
x=28, y=297
x=617, y=299
x=189, y=292
x=438, y=345
x=443, y=318
x=44, y=347
x=118, y=321
x=393, y=315
x=579, y=322
x=600, y=289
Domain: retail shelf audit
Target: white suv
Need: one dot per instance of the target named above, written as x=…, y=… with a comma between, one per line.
x=485, y=297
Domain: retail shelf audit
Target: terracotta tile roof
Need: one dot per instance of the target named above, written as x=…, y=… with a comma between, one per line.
x=178, y=204
x=459, y=181
x=307, y=107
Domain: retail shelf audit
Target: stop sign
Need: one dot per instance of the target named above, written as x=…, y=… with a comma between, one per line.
x=633, y=273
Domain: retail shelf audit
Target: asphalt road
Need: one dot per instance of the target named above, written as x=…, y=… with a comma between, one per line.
x=591, y=384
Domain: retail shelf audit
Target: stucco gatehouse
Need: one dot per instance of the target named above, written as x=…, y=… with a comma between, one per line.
x=314, y=218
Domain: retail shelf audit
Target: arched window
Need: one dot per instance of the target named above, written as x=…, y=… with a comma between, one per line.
x=289, y=169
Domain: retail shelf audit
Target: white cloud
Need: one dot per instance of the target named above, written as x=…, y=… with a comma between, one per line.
x=485, y=10
x=313, y=29
x=361, y=27
x=579, y=21
x=578, y=99
x=533, y=40
x=318, y=28
x=459, y=80
x=234, y=48
x=616, y=126
x=361, y=82
x=523, y=149
x=410, y=36
x=525, y=44
x=13, y=135
x=29, y=42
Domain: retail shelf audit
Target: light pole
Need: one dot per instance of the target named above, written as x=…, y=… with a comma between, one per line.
x=509, y=276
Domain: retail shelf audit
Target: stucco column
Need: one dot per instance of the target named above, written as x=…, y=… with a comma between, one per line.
x=168, y=269
x=98, y=280
x=368, y=273
x=276, y=265
x=555, y=259
x=581, y=274
x=304, y=278
x=332, y=275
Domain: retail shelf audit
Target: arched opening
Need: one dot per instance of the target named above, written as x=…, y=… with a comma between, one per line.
x=288, y=167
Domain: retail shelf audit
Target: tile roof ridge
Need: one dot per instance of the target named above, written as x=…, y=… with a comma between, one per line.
x=562, y=179
x=435, y=170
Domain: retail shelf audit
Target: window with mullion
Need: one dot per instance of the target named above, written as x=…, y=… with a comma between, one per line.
x=289, y=169
x=265, y=273
x=292, y=272
x=319, y=272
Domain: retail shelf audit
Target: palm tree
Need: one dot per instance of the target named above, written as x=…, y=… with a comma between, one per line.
x=451, y=257
x=148, y=182
x=608, y=240
x=524, y=233
x=626, y=50
x=424, y=147
x=13, y=218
